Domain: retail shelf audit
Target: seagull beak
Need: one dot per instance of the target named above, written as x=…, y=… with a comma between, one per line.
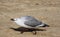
x=12, y=19
x=45, y=25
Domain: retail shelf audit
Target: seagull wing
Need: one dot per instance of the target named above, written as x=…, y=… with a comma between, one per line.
x=32, y=22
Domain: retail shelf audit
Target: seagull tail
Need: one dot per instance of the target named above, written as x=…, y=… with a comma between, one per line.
x=45, y=25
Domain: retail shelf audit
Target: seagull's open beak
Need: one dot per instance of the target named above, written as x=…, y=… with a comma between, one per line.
x=12, y=19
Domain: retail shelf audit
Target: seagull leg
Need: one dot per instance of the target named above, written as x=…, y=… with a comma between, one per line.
x=34, y=32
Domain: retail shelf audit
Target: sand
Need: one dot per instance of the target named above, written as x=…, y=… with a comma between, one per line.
x=47, y=11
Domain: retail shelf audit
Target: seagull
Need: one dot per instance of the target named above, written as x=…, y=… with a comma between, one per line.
x=29, y=22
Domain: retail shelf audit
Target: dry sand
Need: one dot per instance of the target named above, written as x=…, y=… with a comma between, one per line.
x=46, y=10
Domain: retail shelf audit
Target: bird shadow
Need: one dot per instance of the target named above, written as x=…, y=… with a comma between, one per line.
x=22, y=29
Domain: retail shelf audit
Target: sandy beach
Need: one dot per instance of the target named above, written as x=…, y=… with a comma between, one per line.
x=47, y=11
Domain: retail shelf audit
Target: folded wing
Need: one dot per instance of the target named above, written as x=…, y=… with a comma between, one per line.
x=32, y=22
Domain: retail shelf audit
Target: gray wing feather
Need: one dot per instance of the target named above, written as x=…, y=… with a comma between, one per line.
x=32, y=22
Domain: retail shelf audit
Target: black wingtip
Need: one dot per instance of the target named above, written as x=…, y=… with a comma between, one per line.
x=45, y=25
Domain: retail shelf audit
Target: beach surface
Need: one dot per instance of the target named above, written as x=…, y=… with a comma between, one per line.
x=47, y=11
